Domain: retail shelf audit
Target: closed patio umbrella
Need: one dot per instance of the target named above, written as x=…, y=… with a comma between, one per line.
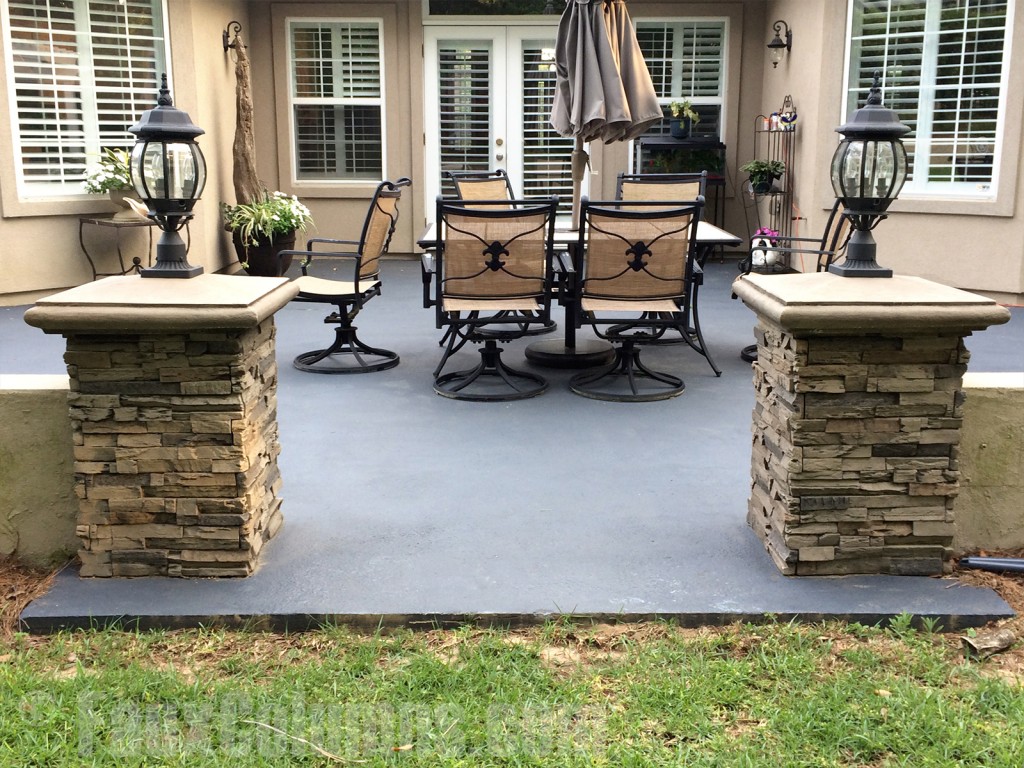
x=603, y=90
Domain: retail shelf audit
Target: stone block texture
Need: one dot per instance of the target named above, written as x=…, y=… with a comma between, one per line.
x=855, y=451
x=175, y=447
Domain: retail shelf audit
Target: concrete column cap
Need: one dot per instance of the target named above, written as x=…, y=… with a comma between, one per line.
x=820, y=304
x=159, y=305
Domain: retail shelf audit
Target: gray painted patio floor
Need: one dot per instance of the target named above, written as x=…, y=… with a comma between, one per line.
x=402, y=507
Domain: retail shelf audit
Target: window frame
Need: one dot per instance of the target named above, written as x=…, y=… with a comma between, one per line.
x=722, y=100
x=951, y=197
x=327, y=185
x=22, y=197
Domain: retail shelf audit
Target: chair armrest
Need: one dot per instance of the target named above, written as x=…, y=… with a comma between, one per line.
x=788, y=239
x=307, y=256
x=697, y=274
x=563, y=263
x=314, y=240
x=281, y=257
x=428, y=265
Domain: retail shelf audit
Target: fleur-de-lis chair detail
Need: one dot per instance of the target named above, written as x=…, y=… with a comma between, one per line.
x=635, y=281
x=493, y=263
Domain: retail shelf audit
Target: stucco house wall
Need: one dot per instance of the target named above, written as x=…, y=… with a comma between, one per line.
x=978, y=246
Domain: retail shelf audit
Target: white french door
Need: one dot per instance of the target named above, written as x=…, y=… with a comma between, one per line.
x=488, y=104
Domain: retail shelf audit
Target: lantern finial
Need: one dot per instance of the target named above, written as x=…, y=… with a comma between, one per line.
x=875, y=94
x=164, y=99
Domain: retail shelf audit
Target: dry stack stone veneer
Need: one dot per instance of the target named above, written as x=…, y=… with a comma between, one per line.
x=173, y=406
x=856, y=425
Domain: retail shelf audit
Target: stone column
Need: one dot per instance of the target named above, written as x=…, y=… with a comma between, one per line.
x=173, y=404
x=856, y=425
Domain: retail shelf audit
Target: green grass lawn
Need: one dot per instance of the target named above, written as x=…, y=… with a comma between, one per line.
x=561, y=695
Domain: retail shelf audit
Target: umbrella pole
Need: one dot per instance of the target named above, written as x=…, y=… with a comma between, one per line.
x=580, y=160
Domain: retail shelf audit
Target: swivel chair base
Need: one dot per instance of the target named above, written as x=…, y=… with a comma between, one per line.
x=511, y=384
x=627, y=380
x=346, y=355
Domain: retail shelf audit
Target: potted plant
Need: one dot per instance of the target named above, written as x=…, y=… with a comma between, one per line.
x=762, y=173
x=263, y=227
x=762, y=250
x=684, y=117
x=113, y=177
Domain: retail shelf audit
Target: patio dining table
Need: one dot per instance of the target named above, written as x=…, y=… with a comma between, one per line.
x=570, y=352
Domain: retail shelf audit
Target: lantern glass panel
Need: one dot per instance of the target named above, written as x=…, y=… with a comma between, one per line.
x=776, y=52
x=169, y=170
x=868, y=170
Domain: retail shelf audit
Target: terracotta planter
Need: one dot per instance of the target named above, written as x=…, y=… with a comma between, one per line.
x=261, y=259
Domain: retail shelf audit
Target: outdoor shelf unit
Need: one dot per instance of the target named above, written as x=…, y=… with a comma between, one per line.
x=665, y=154
x=774, y=209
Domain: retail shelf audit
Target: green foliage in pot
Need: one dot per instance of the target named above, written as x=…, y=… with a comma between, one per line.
x=764, y=170
x=275, y=213
x=111, y=174
x=684, y=110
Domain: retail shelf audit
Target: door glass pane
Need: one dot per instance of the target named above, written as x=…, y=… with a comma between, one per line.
x=464, y=99
x=546, y=154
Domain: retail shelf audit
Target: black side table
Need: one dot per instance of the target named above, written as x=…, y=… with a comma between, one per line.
x=118, y=227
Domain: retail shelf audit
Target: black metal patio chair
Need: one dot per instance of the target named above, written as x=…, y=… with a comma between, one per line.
x=825, y=250
x=493, y=262
x=358, y=262
x=482, y=185
x=635, y=281
x=491, y=186
x=679, y=188
x=661, y=186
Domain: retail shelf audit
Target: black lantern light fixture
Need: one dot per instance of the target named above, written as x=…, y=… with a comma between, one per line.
x=778, y=46
x=168, y=171
x=868, y=171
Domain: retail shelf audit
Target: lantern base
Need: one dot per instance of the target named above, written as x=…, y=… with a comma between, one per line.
x=185, y=270
x=171, y=258
x=860, y=258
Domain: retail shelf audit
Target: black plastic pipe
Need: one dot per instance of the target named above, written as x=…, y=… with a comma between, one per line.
x=1012, y=564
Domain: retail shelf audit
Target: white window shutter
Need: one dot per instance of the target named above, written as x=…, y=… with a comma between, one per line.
x=337, y=100
x=83, y=71
x=942, y=72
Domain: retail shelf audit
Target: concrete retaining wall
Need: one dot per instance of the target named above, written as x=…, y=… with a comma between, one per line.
x=38, y=505
x=37, y=497
x=990, y=508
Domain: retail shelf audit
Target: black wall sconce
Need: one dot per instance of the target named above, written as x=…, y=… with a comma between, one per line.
x=778, y=46
x=232, y=30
